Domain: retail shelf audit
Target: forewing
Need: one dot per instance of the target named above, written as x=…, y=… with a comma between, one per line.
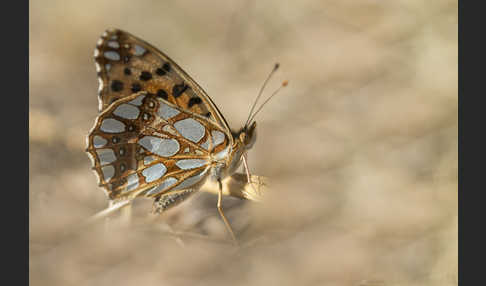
x=126, y=65
x=144, y=145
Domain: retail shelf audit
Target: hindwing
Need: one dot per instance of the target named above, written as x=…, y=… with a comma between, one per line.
x=145, y=145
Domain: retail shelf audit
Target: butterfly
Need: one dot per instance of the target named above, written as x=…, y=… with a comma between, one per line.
x=158, y=134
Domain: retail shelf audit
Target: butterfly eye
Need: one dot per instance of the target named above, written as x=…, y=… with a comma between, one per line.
x=242, y=137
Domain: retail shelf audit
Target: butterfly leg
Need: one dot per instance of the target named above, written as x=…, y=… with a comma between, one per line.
x=248, y=176
x=247, y=170
x=221, y=213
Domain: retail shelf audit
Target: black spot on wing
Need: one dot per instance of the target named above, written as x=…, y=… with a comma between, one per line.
x=178, y=89
x=193, y=101
x=161, y=93
x=116, y=85
x=145, y=76
x=160, y=72
x=166, y=67
x=136, y=87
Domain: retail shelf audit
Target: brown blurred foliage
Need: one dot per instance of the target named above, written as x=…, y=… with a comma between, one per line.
x=360, y=148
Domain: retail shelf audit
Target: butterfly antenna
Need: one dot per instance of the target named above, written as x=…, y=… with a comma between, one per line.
x=284, y=84
x=275, y=68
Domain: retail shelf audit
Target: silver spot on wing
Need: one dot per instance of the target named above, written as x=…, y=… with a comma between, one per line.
x=110, y=125
x=127, y=111
x=113, y=44
x=139, y=50
x=106, y=156
x=132, y=182
x=166, y=111
x=218, y=137
x=111, y=55
x=190, y=129
x=138, y=100
x=160, y=146
x=187, y=164
x=108, y=172
x=99, y=141
x=154, y=172
x=205, y=145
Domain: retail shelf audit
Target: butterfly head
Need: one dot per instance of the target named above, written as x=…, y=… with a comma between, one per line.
x=247, y=135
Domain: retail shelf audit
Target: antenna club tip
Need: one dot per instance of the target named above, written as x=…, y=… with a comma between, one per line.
x=285, y=83
x=277, y=65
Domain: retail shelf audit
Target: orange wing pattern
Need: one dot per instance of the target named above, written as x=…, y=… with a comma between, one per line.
x=127, y=65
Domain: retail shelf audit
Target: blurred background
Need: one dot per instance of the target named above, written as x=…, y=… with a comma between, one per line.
x=360, y=149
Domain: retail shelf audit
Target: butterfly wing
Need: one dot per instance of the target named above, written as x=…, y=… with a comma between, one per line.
x=126, y=65
x=144, y=145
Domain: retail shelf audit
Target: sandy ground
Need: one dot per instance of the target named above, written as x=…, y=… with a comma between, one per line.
x=360, y=148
